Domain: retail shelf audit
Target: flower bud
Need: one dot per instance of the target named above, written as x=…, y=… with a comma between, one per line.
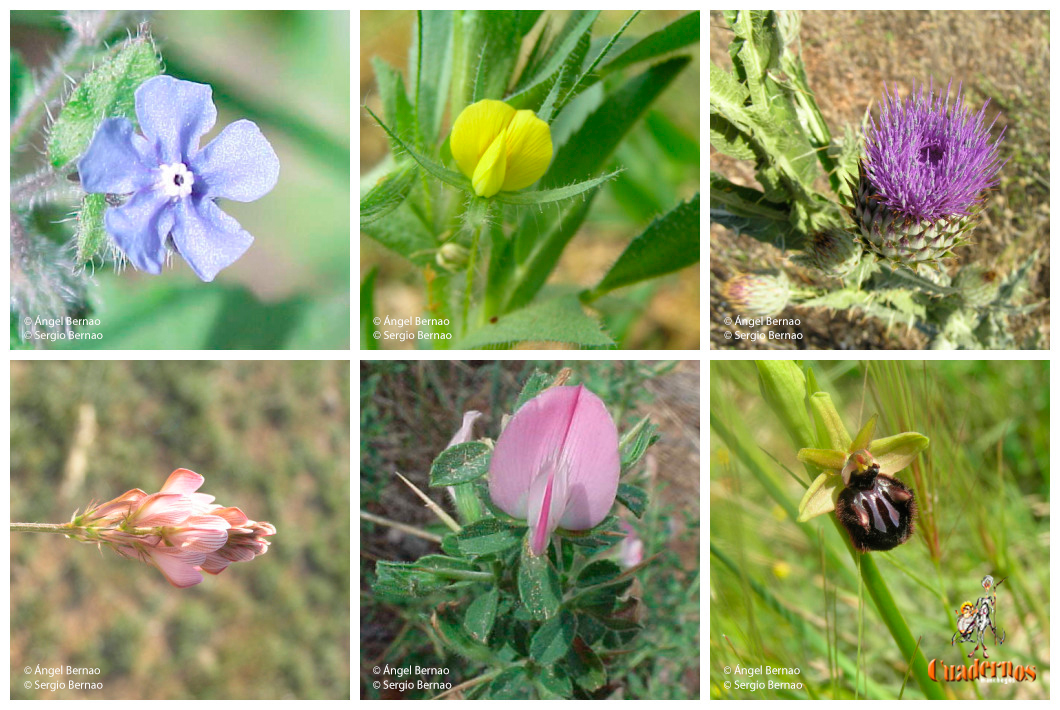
x=978, y=286
x=756, y=294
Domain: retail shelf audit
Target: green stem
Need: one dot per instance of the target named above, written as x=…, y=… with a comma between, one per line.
x=478, y=216
x=61, y=528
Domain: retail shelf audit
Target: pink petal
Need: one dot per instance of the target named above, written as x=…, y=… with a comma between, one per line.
x=567, y=434
x=182, y=481
x=548, y=492
x=161, y=509
x=466, y=429
x=236, y=518
x=178, y=569
x=204, y=533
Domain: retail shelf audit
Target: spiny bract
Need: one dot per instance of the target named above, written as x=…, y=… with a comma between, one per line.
x=927, y=168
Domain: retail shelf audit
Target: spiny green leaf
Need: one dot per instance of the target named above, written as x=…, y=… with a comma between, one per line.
x=460, y=463
x=636, y=441
x=439, y=171
x=559, y=320
x=105, y=92
x=668, y=244
x=404, y=232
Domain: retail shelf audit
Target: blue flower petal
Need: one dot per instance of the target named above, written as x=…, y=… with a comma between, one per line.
x=140, y=228
x=239, y=164
x=207, y=238
x=173, y=115
x=115, y=159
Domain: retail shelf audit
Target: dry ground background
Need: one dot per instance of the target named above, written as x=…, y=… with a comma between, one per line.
x=849, y=57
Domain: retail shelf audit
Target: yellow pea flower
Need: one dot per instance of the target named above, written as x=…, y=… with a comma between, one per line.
x=500, y=148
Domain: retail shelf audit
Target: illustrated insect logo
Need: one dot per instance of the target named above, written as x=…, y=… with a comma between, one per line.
x=973, y=621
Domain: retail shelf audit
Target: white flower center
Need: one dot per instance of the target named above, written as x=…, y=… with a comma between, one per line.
x=176, y=180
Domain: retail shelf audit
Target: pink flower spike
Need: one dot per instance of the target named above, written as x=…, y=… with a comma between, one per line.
x=180, y=568
x=556, y=464
x=202, y=533
x=187, y=482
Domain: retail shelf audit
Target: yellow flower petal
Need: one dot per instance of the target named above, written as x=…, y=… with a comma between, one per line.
x=529, y=150
x=475, y=130
x=489, y=173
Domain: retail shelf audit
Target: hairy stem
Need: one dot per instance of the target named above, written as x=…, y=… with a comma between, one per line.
x=61, y=528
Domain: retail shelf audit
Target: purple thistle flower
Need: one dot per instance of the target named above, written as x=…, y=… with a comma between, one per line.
x=173, y=184
x=927, y=159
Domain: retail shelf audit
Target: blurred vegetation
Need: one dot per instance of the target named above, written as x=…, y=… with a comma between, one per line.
x=289, y=73
x=269, y=437
x=410, y=410
x=982, y=490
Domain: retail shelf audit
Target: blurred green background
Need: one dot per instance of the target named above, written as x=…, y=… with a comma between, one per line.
x=660, y=157
x=410, y=410
x=271, y=438
x=983, y=495
x=289, y=72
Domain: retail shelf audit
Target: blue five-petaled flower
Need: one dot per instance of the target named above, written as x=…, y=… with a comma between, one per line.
x=174, y=184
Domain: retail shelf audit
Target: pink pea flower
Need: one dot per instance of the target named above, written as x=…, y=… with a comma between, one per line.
x=556, y=464
x=631, y=551
x=177, y=530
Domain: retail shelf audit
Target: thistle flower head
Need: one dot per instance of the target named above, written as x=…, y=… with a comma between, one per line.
x=927, y=158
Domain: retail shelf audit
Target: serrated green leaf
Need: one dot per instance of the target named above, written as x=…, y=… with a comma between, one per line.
x=388, y=194
x=486, y=537
x=746, y=210
x=669, y=244
x=680, y=33
x=538, y=584
x=633, y=497
x=559, y=320
x=553, y=640
x=460, y=464
x=91, y=235
x=105, y=92
x=727, y=138
x=478, y=621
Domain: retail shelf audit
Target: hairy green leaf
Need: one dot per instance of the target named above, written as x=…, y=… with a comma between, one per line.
x=553, y=640
x=668, y=244
x=461, y=463
x=559, y=320
x=430, y=68
x=105, y=92
x=680, y=33
x=478, y=621
x=633, y=497
x=486, y=537
x=388, y=194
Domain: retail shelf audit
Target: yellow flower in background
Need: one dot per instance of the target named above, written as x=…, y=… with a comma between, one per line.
x=500, y=148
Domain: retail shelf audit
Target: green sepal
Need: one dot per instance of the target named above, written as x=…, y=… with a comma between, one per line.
x=831, y=431
x=819, y=497
x=895, y=453
x=827, y=459
x=91, y=235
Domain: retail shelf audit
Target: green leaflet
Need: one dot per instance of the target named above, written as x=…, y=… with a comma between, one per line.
x=538, y=584
x=397, y=108
x=636, y=441
x=553, y=640
x=386, y=195
x=486, y=537
x=668, y=244
x=368, y=340
x=91, y=235
x=430, y=67
x=537, y=383
x=461, y=463
x=559, y=320
x=634, y=498
x=107, y=91
x=478, y=621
